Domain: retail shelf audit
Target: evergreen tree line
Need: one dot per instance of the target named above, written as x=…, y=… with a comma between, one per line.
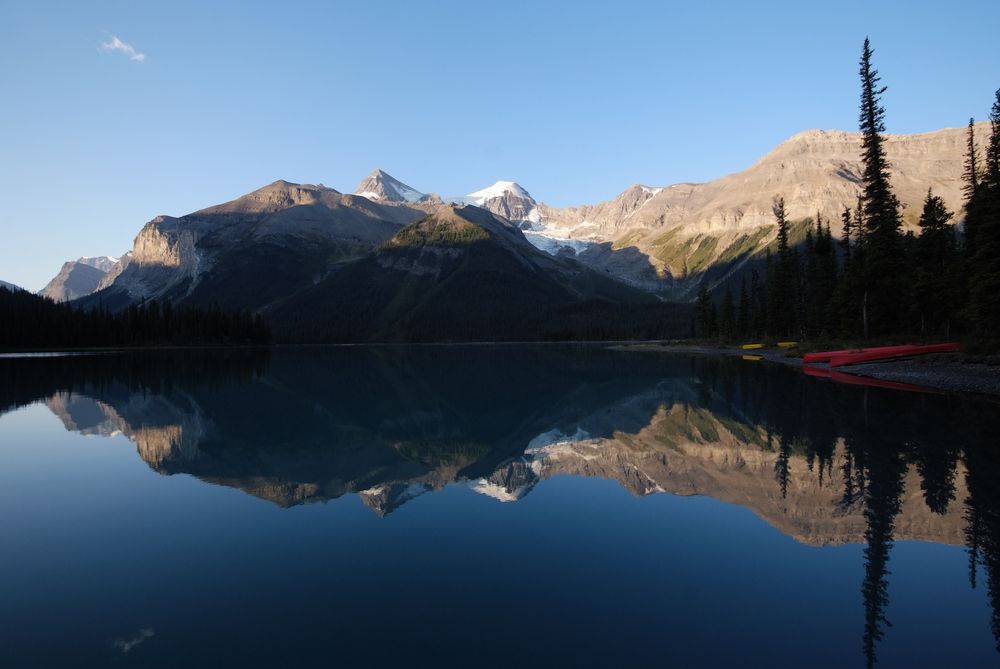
x=30, y=321
x=876, y=280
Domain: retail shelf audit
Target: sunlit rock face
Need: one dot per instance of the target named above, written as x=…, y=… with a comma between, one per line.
x=173, y=257
x=667, y=237
x=140, y=418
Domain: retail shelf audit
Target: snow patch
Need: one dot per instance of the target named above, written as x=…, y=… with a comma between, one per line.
x=555, y=436
x=497, y=491
x=544, y=240
x=499, y=189
x=405, y=192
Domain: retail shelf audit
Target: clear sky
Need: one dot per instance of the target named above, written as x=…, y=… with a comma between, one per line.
x=190, y=104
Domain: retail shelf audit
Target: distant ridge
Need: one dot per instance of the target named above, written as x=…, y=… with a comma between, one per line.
x=78, y=278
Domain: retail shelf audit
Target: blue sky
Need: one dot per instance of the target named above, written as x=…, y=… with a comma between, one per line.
x=573, y=100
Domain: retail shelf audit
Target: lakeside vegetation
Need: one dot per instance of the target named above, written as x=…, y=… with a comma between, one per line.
x=876, y=282
x=32, y=322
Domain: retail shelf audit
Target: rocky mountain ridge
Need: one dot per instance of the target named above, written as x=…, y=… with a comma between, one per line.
x=665, y=240
x=380, y=186
x=78, y=278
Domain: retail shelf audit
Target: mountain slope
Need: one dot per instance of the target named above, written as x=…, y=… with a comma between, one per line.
x=10, y=286
x=251, y=251
x=462, y=274
x=666, y=239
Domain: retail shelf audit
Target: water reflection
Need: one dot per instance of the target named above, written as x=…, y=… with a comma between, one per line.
x=823, y=463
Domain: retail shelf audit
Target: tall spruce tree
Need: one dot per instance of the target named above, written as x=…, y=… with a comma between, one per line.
x=992, y=167
x=782, y=300
x=846, y=230
x=935, y=286
x=971, y=173
x=758, y=304
x=745, y=316
x=825, y=280
x=727, y=321
x=703, y=312
x=984, y=209
x=880, y=210
x=971, y=189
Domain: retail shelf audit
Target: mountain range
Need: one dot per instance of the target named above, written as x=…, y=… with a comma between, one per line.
x=78, y=278
x=387, y=261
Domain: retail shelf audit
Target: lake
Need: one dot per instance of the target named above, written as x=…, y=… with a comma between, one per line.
x=489, y=506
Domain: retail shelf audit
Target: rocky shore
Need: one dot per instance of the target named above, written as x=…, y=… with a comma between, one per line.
x=946, y=372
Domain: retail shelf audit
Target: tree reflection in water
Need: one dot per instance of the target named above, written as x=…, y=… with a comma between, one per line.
x=389, y=424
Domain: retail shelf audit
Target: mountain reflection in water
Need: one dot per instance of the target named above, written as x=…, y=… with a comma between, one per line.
x=822, y=463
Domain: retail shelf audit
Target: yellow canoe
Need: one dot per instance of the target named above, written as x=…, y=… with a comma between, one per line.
x=751, y=347
x=787, y=344
x=752, y=357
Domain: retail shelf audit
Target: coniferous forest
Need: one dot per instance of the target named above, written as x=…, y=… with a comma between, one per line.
x=876, y=280
x=34, y=322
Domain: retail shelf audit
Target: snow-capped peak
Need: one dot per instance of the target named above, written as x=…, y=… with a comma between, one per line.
x=499, y=189
x=103, y=263
x=380, y=185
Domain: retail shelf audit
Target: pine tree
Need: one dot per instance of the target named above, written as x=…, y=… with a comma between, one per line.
x=880, y=209
x=784, y=289
x=727, y=322
x=781, y=216
x=846, y=230
x=825, y=280
x=984, y=209
x=758, y=304
x=779, y=288
x=992, y=171
x=769, y=295
x=745, y=317
x=703, y=311
x=935, y=262
x=971, y=189
x=810, y=280
x=971, y=173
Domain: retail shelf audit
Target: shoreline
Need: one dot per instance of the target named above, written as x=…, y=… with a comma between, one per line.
x=944, y=372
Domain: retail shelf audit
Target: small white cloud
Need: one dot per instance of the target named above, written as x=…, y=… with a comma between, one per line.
x=126, y=645
x=115, y=44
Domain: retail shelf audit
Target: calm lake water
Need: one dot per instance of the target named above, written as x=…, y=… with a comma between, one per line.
x=489, y=506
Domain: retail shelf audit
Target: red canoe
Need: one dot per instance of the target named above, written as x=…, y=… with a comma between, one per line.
x=843, y=377
x=889, y=353
x=827, y=356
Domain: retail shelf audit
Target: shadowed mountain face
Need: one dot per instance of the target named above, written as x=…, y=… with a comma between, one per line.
x=253, y=251
x=326, y=267
x=79, y=278
x=464, y=274
x=824, y=464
